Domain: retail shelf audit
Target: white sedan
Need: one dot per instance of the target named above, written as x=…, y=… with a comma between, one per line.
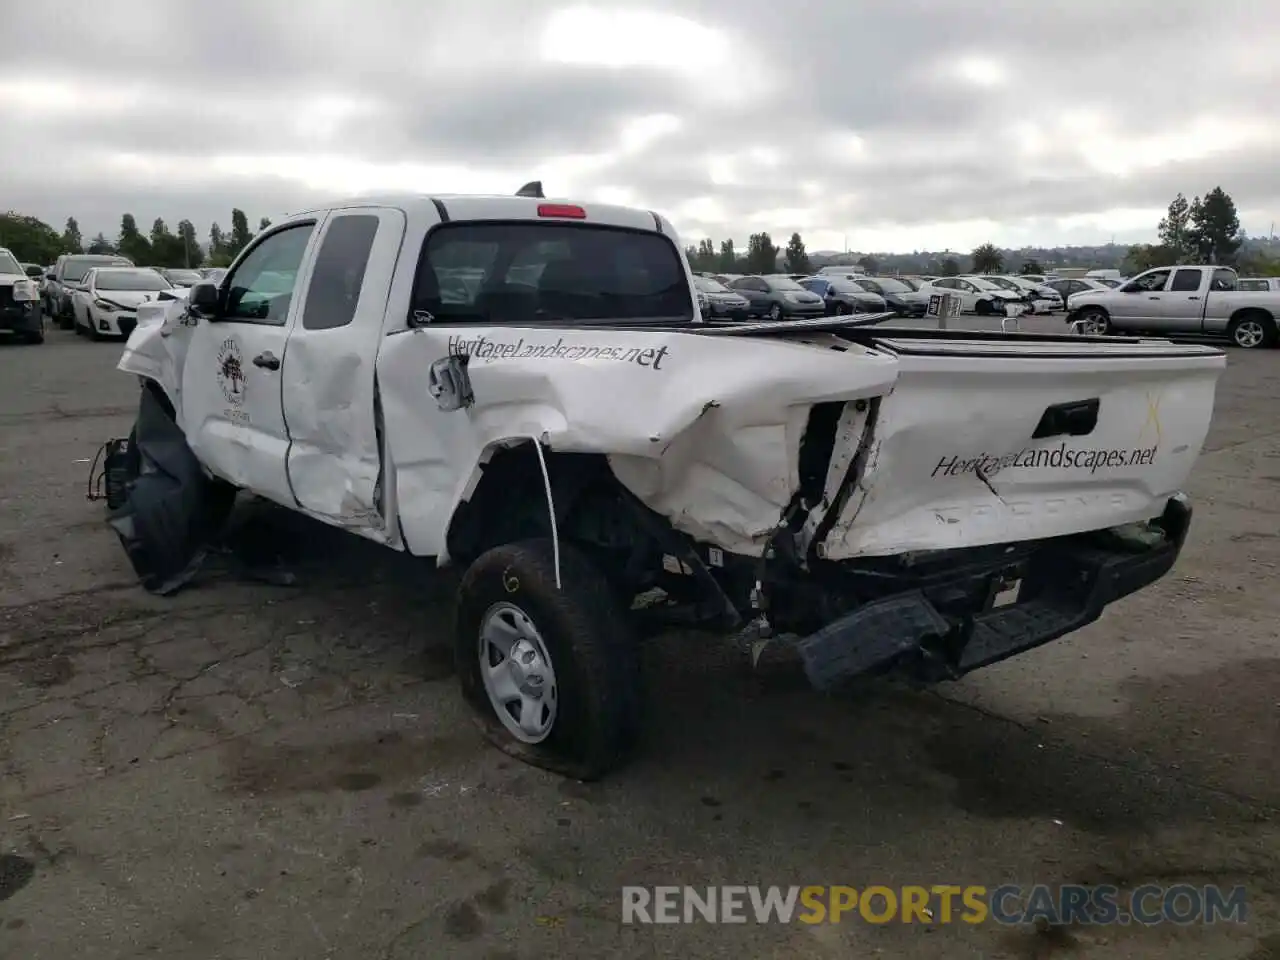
x=105, y=303
x=980, y=295
x=1044, y=299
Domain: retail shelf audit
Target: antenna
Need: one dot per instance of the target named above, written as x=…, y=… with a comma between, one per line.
x=532, y=189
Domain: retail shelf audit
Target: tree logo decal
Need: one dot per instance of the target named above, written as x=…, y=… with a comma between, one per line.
x=231, y=372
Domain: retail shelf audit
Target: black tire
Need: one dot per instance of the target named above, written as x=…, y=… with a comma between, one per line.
x=1096, y=318
x=34, y=337
x=775, y=312
x=1252, y=330
x=842, y=309
x=983, y=308
x=593, y=653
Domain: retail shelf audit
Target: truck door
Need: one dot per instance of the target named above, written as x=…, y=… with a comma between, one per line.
x=1134, y=304
x=231, y=381
x=1180, y=307
x=334, y=450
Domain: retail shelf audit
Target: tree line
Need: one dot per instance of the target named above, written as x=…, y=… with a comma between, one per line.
x=1205, y=228
x=32, y=240
x=761, y=257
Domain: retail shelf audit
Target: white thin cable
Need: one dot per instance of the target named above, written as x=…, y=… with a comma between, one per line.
x=551, y=507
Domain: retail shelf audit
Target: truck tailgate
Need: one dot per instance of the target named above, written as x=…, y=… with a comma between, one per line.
x=992, y=441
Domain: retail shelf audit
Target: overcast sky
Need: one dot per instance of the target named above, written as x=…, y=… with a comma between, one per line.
x=880, y=124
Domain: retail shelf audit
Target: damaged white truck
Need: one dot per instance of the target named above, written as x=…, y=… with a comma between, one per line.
x=526, y=389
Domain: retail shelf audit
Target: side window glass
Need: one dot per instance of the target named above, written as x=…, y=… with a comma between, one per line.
x=1224, y=280
x=261, y=288
x=336, y=279
x=1153, y=281
x=1185, y=281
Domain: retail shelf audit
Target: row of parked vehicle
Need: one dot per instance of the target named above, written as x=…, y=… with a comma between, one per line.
x=99, y=294
x=839, y=290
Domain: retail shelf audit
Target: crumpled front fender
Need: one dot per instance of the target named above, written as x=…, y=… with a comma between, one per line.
x=157, y=347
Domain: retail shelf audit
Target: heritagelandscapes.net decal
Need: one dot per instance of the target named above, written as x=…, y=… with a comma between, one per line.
x=486, y=348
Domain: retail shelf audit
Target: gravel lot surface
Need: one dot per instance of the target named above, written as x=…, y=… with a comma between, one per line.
x=249, y=771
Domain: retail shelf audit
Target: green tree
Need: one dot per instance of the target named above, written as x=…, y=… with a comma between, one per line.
x=219, y=254
x=166, y=248
x=1146, y=256
x=1215, y=227
x=132, y=243
x=263, y=224
x=100, y=244
x=72, y=242
x=1175, y=230
x=29, y=239
x=728, y=257
x=950, y=267
x=869, y=264
x=1031, y=266
x=795, y=257
x=762, y=253
x=240, y=235
x=987, y=258
x=191, y=253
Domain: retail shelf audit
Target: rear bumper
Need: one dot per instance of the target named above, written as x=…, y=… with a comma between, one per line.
x=944, y=629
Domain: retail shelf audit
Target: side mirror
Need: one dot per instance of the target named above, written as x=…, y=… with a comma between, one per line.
x=204, y=298
x=50, y=275
x=1130, y=288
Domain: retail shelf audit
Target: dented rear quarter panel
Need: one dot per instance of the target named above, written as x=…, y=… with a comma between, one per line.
x=704, y=430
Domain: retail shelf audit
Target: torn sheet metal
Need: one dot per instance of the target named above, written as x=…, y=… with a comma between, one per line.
x=705, y=430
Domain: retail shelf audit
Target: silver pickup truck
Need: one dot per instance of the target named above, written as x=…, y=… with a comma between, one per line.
x=1202, y=301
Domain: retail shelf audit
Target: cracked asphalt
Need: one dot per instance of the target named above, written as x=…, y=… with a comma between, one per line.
x=248, y=771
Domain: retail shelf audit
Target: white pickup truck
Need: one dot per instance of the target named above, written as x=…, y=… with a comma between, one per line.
x=525, y=388
x=1183, y=300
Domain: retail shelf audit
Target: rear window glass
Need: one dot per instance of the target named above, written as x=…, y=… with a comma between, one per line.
x=529, y=272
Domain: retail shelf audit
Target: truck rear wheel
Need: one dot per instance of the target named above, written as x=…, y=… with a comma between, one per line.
x=552, y=672
x=1252, y=330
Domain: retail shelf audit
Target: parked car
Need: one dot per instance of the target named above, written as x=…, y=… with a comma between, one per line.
x=980, y=295
x=906, y=504
x=1255, y=284
x=778, y=298
x=213, y=274
x=717, y=300
x=69, y=272
x=106, y=301
x=901, y=298
x=841, y=296
x=179, y=277
x=1067, y=287
x=1043, y=299
x=20, y=312
x=1196, y=300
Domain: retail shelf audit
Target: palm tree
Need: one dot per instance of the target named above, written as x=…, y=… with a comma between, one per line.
x=987, y=258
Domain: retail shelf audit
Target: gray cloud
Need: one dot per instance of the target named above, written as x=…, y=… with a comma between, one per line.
x=458, y=83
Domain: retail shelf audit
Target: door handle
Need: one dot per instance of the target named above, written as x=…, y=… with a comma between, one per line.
x=1153, y=298
x=1193, y=298
x=267, y=360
